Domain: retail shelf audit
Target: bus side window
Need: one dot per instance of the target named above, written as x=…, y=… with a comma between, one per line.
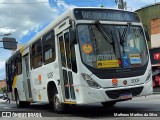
x=73, y=58
x=49, y=54
x=15, y=66
x=37, y=54
x=68, y=52
x=62, y=50
x=19, y=64
x=31, y=58
x=9, y=78
x=7, y=73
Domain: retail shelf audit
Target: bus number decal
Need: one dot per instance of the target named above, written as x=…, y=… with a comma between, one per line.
x=135, y=80
x=50, y=75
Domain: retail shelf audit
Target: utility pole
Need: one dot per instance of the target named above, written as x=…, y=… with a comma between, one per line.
x=121, y=4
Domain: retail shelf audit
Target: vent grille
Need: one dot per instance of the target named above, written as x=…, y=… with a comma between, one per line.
x=114, y=94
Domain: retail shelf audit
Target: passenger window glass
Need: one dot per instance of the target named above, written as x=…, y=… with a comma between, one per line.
x=37, y=54
x=49, y=48
x=19, y=64
x=68, y=53
x=62, y=50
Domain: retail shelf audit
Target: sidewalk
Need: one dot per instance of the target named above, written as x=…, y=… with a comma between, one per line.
x=156, y=90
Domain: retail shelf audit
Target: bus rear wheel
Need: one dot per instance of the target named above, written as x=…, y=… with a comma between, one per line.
x=108, y=104
x=20, y=104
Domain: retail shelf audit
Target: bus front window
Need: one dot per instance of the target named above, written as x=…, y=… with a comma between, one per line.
x=96, y=49
x=134, y=45
x=106, y=51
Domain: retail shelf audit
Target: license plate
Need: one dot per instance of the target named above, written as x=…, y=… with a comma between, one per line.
x=125, y=96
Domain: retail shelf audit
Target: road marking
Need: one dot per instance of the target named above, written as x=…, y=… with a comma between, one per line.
x=7, y=108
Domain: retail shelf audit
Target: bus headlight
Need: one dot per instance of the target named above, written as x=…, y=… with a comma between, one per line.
x=149, y=77
x=92, y=83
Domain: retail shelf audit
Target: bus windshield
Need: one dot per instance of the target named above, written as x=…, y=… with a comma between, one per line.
x=112, y=46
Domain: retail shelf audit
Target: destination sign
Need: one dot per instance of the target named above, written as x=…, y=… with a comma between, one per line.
x=105, y=15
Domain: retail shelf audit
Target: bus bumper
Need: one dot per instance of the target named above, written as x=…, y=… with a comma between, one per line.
x=87, y=95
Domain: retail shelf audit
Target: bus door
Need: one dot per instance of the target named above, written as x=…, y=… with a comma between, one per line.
x=27, y=83
x=65, y=67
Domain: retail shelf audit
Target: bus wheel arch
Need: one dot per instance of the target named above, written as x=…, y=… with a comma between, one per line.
x=20, y=104
x=51, y=90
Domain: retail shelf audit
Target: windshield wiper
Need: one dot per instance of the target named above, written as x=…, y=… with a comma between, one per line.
x=108, y=37
x=93, y=36
x=124, y=35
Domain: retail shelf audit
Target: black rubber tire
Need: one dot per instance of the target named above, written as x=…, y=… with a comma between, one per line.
x=21, y=104
x=57, y=105
x=26, y=104
x=108, y=104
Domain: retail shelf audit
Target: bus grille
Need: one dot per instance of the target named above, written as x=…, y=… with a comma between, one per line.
x=114, y=94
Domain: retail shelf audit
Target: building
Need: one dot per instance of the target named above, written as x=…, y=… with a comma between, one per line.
x=2, y=84
x=150, y=16
x=155, y=32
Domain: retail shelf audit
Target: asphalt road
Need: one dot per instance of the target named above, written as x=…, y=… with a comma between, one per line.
x=140, y=107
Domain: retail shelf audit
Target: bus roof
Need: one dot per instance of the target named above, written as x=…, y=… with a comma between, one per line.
x=57, y=21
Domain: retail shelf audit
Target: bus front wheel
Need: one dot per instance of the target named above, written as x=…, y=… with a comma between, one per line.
x=58, y=106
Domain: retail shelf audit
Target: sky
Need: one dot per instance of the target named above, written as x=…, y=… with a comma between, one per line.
x=25, y=18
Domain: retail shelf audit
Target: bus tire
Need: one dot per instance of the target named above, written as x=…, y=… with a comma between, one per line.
x=21, y=104
x=108, y=104
x=58, y=106
x=26, y=104
x=18, y=102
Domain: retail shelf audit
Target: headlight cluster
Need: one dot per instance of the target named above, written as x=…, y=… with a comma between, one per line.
x=92, y=83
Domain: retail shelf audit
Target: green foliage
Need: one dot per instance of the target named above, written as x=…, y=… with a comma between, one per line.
x=4, y=89
x=102, y=5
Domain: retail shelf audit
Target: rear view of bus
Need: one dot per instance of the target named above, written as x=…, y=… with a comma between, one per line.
x=113, y=60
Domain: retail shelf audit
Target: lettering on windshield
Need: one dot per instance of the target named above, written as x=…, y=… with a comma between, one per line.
x=93, y=58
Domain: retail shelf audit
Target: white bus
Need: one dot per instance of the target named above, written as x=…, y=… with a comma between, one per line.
x=86, y=55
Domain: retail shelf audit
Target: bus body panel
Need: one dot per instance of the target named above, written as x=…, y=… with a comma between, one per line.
x=19, y=85
x=47, y=73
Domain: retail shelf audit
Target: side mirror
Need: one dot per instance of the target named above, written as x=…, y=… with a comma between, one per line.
x=146, y=33
x=72, y=34
x=9, y=43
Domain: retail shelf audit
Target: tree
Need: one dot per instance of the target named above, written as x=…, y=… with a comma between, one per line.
x=4, y=89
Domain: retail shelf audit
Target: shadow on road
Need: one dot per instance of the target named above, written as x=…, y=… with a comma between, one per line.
x=90, y=111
